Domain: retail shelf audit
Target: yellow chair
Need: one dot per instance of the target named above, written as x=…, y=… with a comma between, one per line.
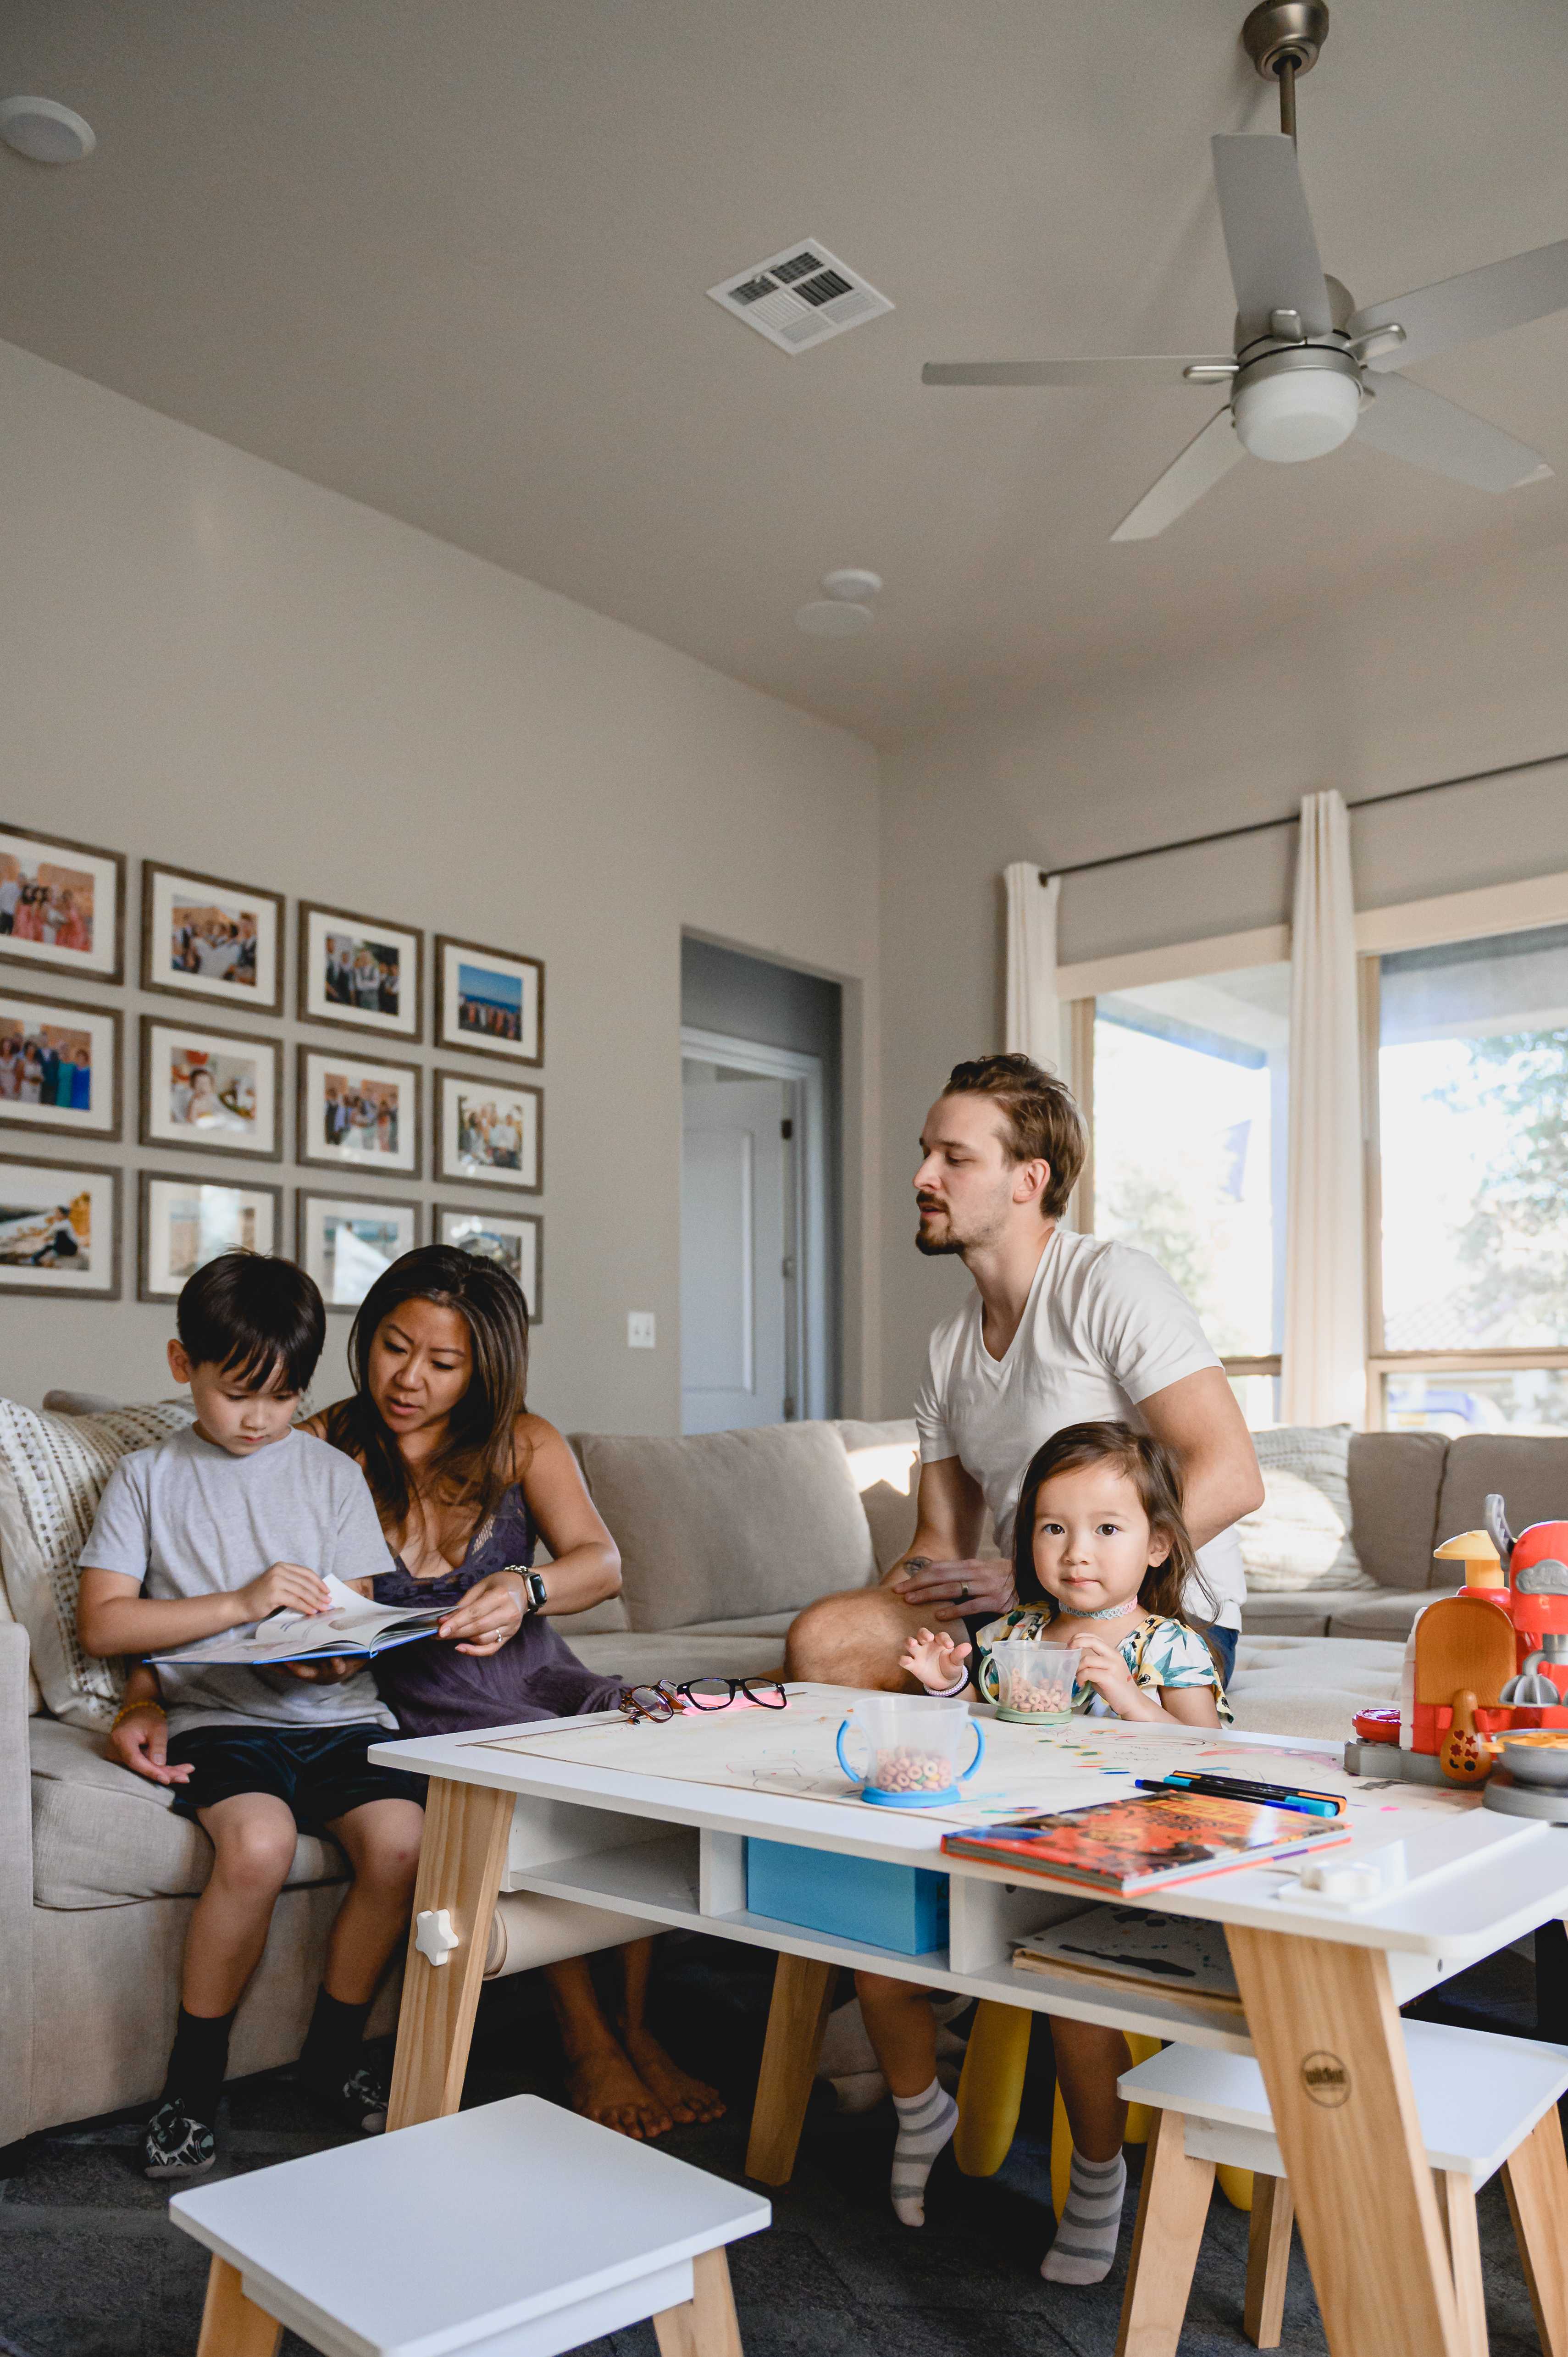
x=990, y=2088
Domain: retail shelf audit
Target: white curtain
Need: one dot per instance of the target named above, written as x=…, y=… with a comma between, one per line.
x=1034, y=1015
x=1324, y=1366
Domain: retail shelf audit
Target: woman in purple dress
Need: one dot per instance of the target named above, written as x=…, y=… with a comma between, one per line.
x=466, y=1481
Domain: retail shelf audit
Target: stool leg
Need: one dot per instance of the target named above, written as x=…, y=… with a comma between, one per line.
x=991, y=2086
x=1172, y=2207
x=231, y=2325
x=1536, y=2183
x=706, y=2324
x=802, y=1996
x=1456, y=2208
x=1268, y=2260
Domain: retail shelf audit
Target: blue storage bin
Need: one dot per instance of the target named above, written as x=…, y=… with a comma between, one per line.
x=904, y=1908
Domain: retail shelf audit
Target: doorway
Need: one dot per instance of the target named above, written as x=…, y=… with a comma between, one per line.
x=754, y=1194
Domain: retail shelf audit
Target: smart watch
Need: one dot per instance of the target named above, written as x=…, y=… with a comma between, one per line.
x=534, y=1593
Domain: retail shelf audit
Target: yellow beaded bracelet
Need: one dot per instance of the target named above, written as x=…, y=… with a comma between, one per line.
x=129, y=1710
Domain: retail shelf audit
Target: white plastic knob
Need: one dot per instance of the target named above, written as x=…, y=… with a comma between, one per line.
x=434, y=1935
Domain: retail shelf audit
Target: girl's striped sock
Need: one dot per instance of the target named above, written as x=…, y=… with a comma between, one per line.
x=1086, y=2238
x=925, y=2124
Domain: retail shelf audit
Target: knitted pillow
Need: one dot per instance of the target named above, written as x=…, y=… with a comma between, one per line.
x=52, y=1472
x=1299, y=1538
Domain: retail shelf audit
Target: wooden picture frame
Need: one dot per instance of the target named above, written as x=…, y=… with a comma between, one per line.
x=210, y=901
x=346, y=1076
x=81, y=868
x=23, y=1191
x=333, y=941
x=315, y=1248
x=502, y=1104
x=102, y=1026
x=159, y=1276
x=162, y=1036
x=456, y=1225
x=476, y=1021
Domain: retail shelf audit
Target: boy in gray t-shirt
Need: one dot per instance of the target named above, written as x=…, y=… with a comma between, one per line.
x=213, y=1529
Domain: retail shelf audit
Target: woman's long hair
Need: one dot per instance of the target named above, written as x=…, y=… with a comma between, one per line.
x=477, y=1461
x=1151, y=1469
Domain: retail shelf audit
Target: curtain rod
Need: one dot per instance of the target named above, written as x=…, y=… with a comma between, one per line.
x=1293, y=818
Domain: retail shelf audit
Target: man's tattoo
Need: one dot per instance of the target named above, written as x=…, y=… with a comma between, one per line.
x=918, y=1563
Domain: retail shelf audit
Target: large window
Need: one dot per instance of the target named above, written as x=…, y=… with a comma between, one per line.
x=1468, y=1184
x=1189, y=1097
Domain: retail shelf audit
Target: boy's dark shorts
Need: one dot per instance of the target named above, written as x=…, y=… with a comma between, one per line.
x=320, y=1772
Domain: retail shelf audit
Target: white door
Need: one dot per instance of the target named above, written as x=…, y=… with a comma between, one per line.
x=733, y=1322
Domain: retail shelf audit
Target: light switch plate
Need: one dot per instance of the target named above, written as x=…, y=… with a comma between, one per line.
x=639, y=1330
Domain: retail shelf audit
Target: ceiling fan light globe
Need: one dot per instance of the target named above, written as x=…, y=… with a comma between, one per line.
x=1303, y=413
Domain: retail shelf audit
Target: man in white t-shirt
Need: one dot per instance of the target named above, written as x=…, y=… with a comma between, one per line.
x=1060, y=1329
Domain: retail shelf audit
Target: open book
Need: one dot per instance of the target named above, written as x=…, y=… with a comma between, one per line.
x=352, y=1626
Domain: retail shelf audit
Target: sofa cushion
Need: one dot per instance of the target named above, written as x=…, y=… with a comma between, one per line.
x=1530, y=1469
x=1299, y=1538
x=104, y=1838
x=676, y=1653
x=1394, y=1480
x=1284, y=1686
x=52, y=1469
x=1389, y=1614
x=726, y=1523
x=885, y=1459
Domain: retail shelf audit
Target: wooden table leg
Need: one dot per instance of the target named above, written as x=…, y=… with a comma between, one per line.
x=1535, y=2179
x=231, y=2325
x=1456, y=2208
x=1268, y=2260
x=706, y=2324
x=1172, y=2206
x=1328, y=2036
x=460, y=1863
x=803, y=1994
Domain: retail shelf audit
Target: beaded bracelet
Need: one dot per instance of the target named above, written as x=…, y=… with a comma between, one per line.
x=129, y=1710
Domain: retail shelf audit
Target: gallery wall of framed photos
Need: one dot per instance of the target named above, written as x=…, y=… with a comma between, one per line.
x=131, y=1133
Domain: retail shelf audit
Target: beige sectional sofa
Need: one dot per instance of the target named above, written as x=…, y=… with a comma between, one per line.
x=723, y=1537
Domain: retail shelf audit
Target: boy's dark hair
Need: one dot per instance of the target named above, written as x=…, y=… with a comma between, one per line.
x=1152, y=1471
x=253, y=1317
x=1040, y=1120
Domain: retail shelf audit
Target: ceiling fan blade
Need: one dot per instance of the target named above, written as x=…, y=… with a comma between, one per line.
x=1409, y=422
x=1123, y=369
x=1211, y=454
x=1269, y=234
x=1476, y=302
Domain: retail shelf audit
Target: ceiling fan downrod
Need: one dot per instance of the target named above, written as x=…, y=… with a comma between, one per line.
x=1282, y=37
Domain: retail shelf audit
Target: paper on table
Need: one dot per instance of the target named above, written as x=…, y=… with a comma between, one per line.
x=353, y=1625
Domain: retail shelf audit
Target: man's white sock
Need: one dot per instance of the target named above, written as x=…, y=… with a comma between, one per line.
x=925, y=2124
x=1086, y=2238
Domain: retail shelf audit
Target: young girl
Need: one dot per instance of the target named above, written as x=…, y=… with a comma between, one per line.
x=1099, y=1542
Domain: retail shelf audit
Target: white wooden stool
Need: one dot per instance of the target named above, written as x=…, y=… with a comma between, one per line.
x=518, y=2230
x=1486, y=2102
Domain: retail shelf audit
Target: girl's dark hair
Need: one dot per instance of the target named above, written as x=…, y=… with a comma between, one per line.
x=477, y=1461
x=1152, y=1471
x=252, y=1316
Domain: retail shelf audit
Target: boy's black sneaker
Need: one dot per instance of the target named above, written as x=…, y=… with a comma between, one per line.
x=177, y=2142
x=360, y=2100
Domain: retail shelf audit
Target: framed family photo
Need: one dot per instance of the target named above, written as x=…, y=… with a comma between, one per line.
x=513, y=1240
x=358, y=972
x=62, y=905
x=490, y=1132
x=346, y=1243
x=214, y=1092
x=59, y=1065
x=59, y=1229
x=356, y=1115
x=203, y=938
x=186, y=1221
x=487, y=1002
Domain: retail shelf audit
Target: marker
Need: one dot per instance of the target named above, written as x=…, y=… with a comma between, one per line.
x=1236, y=1788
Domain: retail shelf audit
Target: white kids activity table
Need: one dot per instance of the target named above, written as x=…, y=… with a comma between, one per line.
x=652, y=1821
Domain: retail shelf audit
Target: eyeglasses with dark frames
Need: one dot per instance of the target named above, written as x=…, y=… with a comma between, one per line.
x=662, y=1701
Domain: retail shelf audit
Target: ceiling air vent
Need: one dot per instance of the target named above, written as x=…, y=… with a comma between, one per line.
x=800, y=298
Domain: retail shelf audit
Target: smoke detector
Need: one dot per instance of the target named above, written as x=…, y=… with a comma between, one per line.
x=45, y=132
x=842, y=613
x=801, y=297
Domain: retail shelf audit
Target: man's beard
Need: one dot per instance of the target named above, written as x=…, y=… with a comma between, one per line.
x=933, y=1251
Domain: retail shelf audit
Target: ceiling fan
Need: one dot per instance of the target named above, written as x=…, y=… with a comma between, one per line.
x=1309, y=369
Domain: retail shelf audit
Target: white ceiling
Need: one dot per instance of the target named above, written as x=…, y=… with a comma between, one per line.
x=448, y=256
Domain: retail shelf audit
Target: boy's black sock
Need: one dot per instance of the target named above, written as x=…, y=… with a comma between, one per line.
x=196, y=2067
x=331, y=2049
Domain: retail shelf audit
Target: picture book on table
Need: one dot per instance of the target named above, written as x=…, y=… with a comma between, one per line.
x=1126, y=1847
x=350, y=1628
x=1131, y=1945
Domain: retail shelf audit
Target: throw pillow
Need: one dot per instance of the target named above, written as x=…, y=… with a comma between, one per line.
x=52, y=1472
x=1299, y=1538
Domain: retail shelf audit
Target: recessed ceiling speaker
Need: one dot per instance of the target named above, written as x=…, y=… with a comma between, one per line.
x=46, y=131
